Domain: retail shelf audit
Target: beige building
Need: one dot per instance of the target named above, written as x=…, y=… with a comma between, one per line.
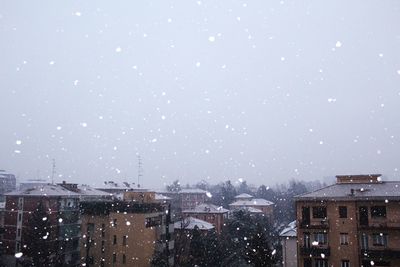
x=126, y=233
x=355, y=222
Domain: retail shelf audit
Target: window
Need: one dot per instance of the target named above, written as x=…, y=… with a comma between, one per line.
x=319, y=212
x=342, y=212
x=103, y=230
x=90, y=229
x=345, y=263
x=114, y=257
x=307, y=238
x=114, y=223
x=380, y=239
x=19, y=217
x=19, y=232
x=102, y=246
x=321, y=238
x=307, y=263
x=344, y=238
x=115, y=240
x=321, y=263
x=20, y=203
x=378, y=211
x=153, y=221
x=124, y=240
x=364, y=241
x=123, y=258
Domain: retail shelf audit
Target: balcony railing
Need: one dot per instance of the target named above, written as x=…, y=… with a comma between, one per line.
x=382, y=225
x=315, y=251
x=381, y=253
x=315, y=224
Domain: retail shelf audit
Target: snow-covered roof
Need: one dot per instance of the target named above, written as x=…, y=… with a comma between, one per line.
x=184, y=191
x=252, y=210
x=190, y=223
x=243, y=196
x=290, y=230
x=206, y=208
x=114, y=185
x=162, y=197
x=253, y=202
x=356, y=191
x=90, y=191
x=192, y=191
x=44, y=190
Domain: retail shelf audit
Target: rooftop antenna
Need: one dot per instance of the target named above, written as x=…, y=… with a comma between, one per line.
x=140, y=171
x=53, y=171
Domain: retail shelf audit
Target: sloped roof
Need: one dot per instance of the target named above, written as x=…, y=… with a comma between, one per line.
x=206, y=208
x=252, y=210
x=244, y=195
x=190, y=223
x=44, y=190
x=253, y=202
x=162, y=197
x=90, y=191
x=192, y=191
x=290, y=230
x=355, y=191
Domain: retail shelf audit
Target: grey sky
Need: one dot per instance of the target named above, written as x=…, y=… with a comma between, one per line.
x=260, y=90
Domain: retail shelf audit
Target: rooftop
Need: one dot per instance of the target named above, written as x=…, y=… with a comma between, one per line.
x=289, y=231
x=90, y=191
x=190, y=223
x=206, y=208
x=44, y=190
x=253, y=202
x=356, y=190
x=244, y=195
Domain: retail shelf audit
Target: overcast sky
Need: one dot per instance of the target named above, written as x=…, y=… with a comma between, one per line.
x=263, y=91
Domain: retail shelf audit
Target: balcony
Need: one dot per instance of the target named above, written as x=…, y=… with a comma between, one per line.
x=315, y=224
x=380, y=253
x=381, y=225
x=315, y=251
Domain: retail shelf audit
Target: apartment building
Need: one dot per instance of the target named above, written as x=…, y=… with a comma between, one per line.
x=253, y=205
x=126, y=233
x=61, y=209
x=7, y=183
x=209, y=213
x=185, y=199
x=355, y=222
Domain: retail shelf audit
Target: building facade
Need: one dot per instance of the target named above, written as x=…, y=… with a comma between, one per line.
x=288, y=238
x=209, y=213
x=355, y=222
x=61, y=209
x=126, y=233
x=7, y=183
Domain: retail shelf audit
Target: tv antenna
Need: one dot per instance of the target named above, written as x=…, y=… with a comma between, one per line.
x=53, y=170
x=140, y=171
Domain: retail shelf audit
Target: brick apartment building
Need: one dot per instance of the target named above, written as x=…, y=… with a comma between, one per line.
x=355, y=222
x=62, y=210
x=127, y=232
x=209, y=213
